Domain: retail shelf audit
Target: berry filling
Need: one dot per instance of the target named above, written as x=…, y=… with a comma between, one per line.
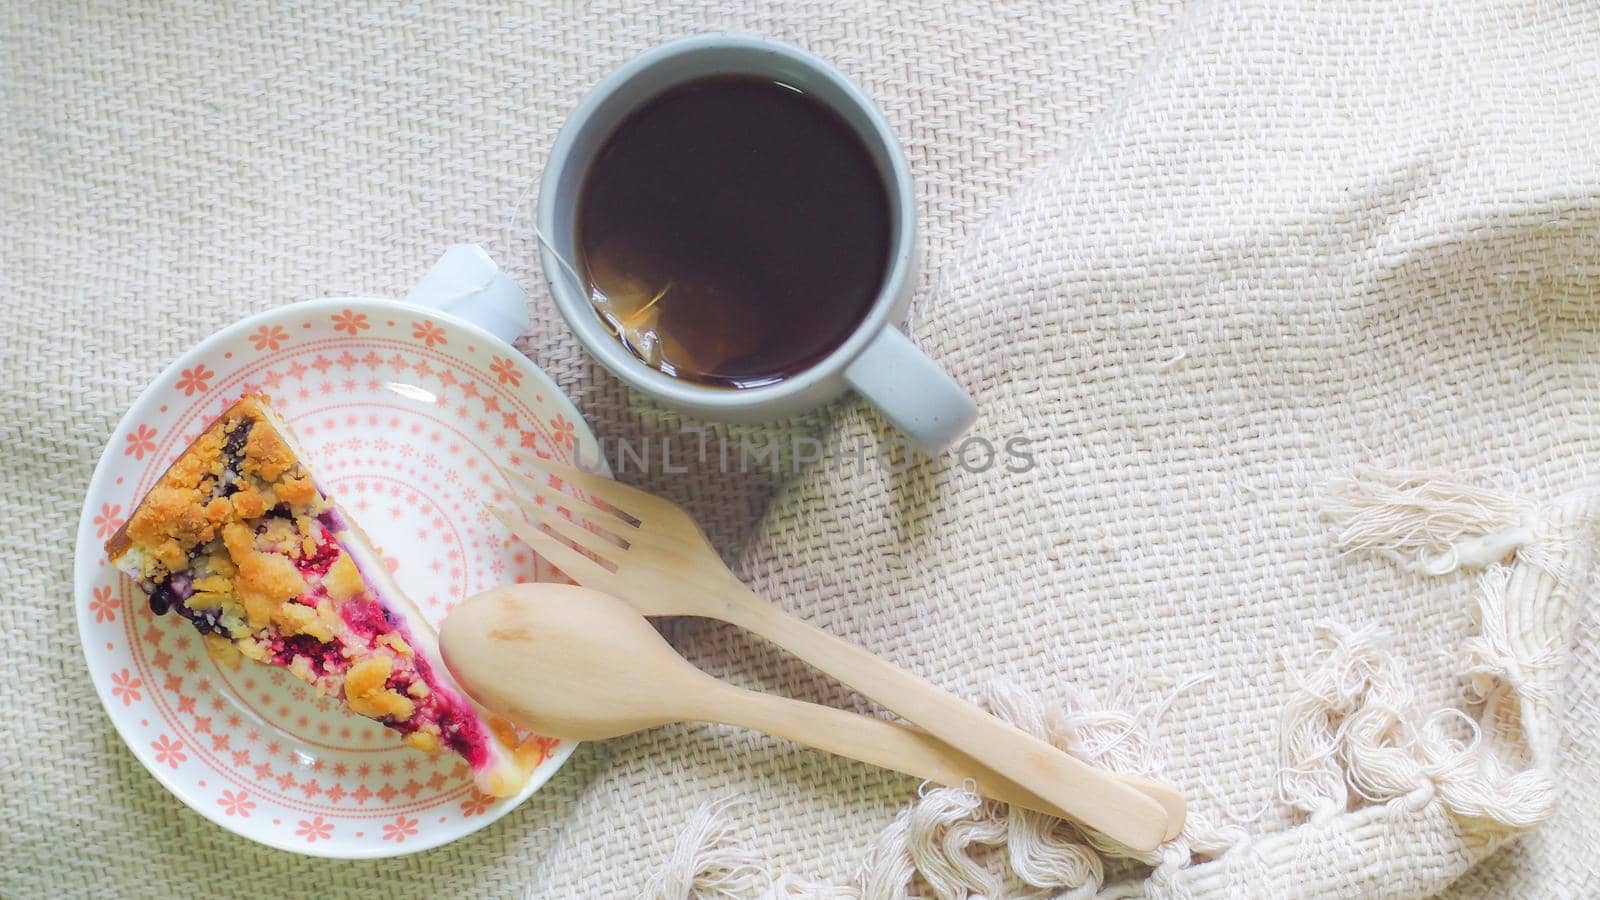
x=365, y=618
x=319, y=562
x=435, y=709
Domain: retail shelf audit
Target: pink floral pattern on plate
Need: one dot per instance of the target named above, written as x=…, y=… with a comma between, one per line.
x=406, y=416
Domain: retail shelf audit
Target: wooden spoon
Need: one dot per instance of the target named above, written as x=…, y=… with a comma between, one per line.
x=575, y=663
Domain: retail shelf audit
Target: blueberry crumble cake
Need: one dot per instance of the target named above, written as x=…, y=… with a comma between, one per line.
x=237, y=538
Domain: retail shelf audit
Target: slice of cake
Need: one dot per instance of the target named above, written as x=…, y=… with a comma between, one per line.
x=237, y=538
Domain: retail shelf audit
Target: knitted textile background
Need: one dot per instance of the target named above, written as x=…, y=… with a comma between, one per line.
x=1295, y=303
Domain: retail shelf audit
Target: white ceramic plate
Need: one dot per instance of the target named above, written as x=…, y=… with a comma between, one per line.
x=405, y=412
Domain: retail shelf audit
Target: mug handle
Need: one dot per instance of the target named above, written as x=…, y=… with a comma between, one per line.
x=912, y=391
x=467, y=284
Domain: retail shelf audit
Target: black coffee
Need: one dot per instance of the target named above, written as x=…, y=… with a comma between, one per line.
x=733, y=231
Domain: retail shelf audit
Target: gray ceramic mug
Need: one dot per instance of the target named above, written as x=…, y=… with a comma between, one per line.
x=877, y=360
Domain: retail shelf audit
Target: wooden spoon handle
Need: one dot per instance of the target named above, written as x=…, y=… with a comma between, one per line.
x=1089, y=795
x=885, y=744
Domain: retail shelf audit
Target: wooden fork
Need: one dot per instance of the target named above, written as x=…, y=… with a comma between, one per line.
x=649, y=552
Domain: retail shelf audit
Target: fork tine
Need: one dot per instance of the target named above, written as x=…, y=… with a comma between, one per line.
x=584, y=536
x=605, y=545
x=577, y=566
x=625, y=500
x=556, y=497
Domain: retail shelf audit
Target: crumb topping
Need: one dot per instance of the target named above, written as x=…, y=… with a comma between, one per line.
x=267, y=456
x=343, y=580
x=366, y=689
x=236, y=472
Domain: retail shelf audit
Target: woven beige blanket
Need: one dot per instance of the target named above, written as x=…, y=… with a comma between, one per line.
x=1293, y=304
